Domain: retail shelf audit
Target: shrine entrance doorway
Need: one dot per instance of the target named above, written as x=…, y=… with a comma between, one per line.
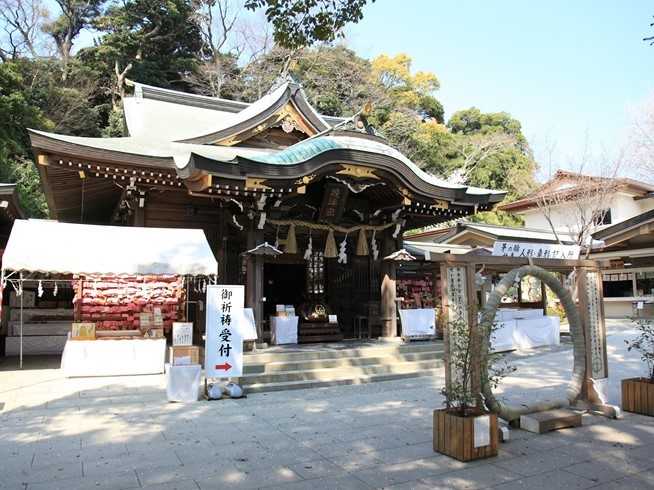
x=284, y=284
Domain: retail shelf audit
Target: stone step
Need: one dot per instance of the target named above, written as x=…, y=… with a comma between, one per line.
x=320, y=337
x=339, y=350
x=343, y=373
x=341, y=362
x=548, y=420
x=363, y=379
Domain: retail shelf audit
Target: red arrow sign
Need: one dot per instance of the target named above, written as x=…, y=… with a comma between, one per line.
x=225, y=367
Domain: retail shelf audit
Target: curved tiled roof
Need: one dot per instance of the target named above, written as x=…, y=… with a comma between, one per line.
x=177, y=116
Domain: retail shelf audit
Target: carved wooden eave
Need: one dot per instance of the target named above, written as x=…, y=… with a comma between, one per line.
x=400, y=256
x=288, y=105
x=199, y=183
x=264, y=249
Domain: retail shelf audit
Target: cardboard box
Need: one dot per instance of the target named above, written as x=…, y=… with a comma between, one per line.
x=82, y=331
x=179, y=354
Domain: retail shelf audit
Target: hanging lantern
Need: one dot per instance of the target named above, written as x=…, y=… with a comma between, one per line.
x=291, y=242
x=330, y=246
x=362, y=244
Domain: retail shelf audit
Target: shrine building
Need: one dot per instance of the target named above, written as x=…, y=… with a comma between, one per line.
x=299, y=207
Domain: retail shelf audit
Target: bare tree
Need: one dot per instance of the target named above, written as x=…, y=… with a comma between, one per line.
x=22, y=22
x=75, y=15
x=641, y=139
x=229, y=39
x=576, y=203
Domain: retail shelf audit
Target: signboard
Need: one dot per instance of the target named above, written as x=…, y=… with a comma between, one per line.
x=333, y=202
x=249, y=331
x=82, y=331
x=481, y=431
x=224, y=336
x=145, y=320
x=157, y=317
x=182, y=333
x=536, y=250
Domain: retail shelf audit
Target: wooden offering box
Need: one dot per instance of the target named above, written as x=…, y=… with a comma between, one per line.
x=638, y=396
x=186, y=351
x=454, y=435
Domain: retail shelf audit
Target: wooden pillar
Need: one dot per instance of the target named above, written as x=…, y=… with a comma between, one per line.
x=139, y=212
x=388, y=287
x=221, y=252
x=388, y=296
x=254, y=280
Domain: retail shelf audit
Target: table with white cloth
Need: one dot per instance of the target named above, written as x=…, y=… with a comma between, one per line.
x=502, y=336
x=283, y=330
x=524, y=329
x=183, y=382
x=418, y=322
x=537, y=332
x=113, y=357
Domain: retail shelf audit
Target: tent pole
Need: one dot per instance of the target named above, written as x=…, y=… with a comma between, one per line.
x=188, y=292
x=21, y=320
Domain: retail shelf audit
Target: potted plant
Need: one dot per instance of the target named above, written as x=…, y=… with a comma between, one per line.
x=638, y=393
x=465, y=429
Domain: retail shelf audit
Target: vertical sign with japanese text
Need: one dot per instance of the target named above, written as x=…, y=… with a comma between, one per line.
x=224, y=337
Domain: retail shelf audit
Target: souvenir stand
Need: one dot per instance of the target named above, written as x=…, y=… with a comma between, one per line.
x=129, y=282
x=415, y=295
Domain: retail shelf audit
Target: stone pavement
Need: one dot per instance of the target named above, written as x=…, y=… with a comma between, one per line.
x=120, y=433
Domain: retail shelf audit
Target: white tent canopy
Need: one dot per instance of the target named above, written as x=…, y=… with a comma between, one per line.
x=67, y=248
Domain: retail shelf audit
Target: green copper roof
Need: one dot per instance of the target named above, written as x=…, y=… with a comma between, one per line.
x=298, y=153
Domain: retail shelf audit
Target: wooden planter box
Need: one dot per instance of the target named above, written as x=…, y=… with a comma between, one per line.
x=638, y=396
x=455, y=435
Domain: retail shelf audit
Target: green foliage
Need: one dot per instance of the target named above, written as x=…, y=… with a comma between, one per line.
x=22, y=171
x=402, y=90
x=299, y=23
x=336, y=81
x=75, y=16
x=69, y=105
x=116, y=126
x=18, y=111
x=644, y=344
x=499, y=218
x=159, y=38
x=467, y=349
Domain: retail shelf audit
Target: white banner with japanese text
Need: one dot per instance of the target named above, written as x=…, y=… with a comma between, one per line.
x=224, y=336
x=536, y=250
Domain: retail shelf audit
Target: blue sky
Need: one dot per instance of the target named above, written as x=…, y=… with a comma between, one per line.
x=570, y=71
